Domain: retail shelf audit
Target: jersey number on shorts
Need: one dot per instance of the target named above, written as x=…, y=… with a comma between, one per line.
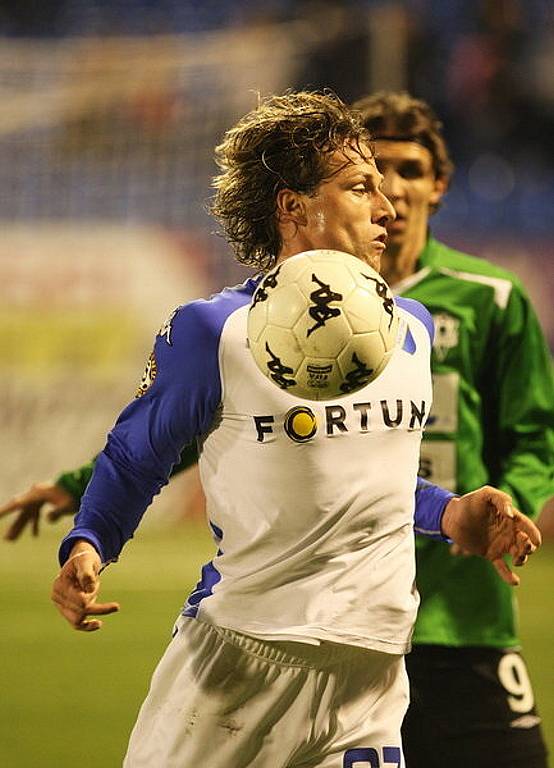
x=367, y=757
x=512, y=673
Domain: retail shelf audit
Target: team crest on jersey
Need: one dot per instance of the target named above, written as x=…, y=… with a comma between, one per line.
x=446, y=334
x=300, y=424
x=166, y=328
x=148, y=376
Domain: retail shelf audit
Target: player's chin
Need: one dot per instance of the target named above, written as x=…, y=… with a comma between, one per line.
x=372, y=256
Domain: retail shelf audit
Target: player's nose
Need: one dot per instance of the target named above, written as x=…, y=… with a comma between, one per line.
x=385, y=212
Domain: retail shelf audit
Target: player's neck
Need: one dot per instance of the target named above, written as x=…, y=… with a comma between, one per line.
x=290, y=248
x=399, y=262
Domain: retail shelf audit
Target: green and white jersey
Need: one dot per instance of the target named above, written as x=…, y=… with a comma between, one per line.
x=492, y=422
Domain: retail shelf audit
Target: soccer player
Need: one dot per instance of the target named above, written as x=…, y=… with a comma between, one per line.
x=290, y=650
x=492, y=422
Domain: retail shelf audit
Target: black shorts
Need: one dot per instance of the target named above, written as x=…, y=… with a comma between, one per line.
x=471, y=708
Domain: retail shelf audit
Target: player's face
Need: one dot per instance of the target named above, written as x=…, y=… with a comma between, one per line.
x=410, y=184
x=349, y=211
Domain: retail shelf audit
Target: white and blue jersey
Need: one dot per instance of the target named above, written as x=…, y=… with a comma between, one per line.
x=311, y=503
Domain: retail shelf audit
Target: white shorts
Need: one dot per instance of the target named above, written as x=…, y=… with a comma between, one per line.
x=220, y=699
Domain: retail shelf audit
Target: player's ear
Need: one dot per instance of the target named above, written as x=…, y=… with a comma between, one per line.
x=440, y=187
x=291, y=207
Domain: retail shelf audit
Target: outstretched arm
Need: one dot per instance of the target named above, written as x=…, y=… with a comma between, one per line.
x=27, y=507
x=64, y=496
x=144, y=445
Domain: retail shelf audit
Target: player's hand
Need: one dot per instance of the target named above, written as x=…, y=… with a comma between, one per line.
x=76, y=587
x=28, y=506
x=485, y=523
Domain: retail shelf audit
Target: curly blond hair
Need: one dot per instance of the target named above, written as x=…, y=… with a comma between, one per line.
x=284, y=143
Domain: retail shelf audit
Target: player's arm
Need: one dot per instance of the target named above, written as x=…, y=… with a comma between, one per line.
x=482, y=522
x=144, y=445
x=63, y=496
x=519, y=406
x=28, y=506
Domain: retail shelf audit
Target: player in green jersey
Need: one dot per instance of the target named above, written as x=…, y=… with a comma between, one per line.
x=492, y=422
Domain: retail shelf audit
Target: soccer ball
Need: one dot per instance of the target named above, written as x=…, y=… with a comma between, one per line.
x=322, y=324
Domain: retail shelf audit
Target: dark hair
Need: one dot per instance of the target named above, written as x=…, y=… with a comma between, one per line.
x=397, y=115
x=285, y=143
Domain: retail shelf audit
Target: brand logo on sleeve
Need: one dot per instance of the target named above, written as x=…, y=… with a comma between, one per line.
x=167, y=327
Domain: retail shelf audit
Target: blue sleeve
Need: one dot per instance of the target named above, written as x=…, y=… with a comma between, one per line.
x=178, y=403
x=431, y=501
x=418, y=310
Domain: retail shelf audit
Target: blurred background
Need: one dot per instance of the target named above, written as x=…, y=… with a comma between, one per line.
x=109, y=112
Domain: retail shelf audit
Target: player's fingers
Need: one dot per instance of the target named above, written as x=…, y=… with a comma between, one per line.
x=77, y=598
x=35, y=524
x=18, y=525
x=36, y=494
x=505, y=573
x=522, y=548
x=79, y=621
x=89, y=625
x=73, y=614
x=68, y=585
x=527, y=526
x=61, y=510
x=77, y=613
x=102, y=609
x=70, y=598
x=76, y=592
x=502, y=502
x=15, y=529
x=75, y=607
